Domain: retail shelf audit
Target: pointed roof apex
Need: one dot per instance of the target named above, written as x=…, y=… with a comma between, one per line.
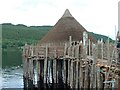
x=67, y=14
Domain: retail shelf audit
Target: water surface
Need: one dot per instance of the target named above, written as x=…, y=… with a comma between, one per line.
x=12, y=72
x=12, y=77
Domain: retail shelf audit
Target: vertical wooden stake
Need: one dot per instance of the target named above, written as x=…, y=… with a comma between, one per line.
x=45, y=66
x=71, y=74
x=98, y=78
x=65, y=71
x=38, y=73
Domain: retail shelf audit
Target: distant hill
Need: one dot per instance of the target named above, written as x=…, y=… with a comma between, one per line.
x=18, y=35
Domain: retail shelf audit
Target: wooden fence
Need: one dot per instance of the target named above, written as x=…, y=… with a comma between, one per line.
x=73, y=65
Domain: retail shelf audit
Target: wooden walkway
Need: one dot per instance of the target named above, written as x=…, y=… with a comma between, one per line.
x=73, y=65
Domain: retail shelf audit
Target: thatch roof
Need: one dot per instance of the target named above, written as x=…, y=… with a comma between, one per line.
x=66, y=26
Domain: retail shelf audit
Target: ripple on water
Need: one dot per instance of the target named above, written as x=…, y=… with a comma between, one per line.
x=12, y=77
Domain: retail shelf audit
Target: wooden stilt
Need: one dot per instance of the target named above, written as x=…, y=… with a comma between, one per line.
x=54, y=73
x=30, y=82
x=71, y=74
x=76, y=85
x=81, y=75
x=98, y=79
x=68, y=77
x=45, y=67
x=41, y=74
x=38, y=73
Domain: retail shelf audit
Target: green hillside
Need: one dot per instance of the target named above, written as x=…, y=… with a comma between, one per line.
x=18, y=35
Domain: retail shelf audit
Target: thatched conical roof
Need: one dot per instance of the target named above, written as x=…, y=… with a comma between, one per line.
x=66, y=26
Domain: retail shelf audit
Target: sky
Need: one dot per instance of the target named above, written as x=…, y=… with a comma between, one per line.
x=98, y=16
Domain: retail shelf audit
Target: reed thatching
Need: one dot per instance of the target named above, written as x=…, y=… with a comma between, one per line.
x=66, y=26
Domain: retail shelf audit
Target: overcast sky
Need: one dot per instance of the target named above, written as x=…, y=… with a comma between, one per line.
x=99, y=16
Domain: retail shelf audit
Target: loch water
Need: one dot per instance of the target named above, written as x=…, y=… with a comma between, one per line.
x=12, y=70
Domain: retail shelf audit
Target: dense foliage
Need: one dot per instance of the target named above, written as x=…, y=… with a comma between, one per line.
x=18, y=35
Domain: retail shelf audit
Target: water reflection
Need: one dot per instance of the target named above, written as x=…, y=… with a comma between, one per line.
x=12, y=77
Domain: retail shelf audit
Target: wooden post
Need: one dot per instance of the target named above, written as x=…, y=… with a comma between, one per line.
x=108, y=51
x=30, y=85
x=85, y=40
x=71, y=74
x=54, y=71
x=65, y=72
x=45, y=67
x=25, y=66
x=70, y=40
x=81, y=75
x=68, y=77
x=76, y=78
x=93, y=69
x=102, y=49
x=89, y=50
x=48, y=74
x=34, y=72
x=25, y=73
x=77, y=66
x=65, y=50
x=38, y=73
x=98, y=78
x=69, y=61
x=60, y=79
x=41, y=74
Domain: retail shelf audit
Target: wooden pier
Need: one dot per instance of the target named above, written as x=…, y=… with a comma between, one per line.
x=71, y=65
